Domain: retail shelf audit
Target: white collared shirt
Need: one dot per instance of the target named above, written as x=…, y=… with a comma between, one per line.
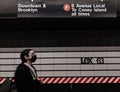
x=34, y=75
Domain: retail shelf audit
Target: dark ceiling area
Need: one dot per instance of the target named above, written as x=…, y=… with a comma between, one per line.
x=59, y=39
x=59, y=32
x=61, y=24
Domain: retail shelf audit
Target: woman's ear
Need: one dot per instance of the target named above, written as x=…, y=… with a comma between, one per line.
x=26, y=57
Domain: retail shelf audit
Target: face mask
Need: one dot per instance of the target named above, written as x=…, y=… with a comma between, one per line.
x=33, y=59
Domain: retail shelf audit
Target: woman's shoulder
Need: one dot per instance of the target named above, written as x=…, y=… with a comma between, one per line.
x=22, y=67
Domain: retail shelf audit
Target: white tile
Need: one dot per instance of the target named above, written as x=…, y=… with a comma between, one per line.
x=113, y=54
x=47, y=67
x=59, y=54
x=59, y=67
x=113, y=60
x=100, y=73
x=7, y=68
x=73, y=60
x=113, y=73
x=7, y=74
x=64, y=61
x=100, y=66
x=87, y=73
x=60, y=73
x=73, y=54
x=73, y=73
x=46, y=74
x=87, y=67
x=46, y=61
x=45, y=54
x=114, y=66
x=73, y=67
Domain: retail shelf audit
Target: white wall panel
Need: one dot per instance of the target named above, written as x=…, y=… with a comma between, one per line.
x=65, y=61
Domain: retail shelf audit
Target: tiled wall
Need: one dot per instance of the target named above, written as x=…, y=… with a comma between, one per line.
x=65, y=61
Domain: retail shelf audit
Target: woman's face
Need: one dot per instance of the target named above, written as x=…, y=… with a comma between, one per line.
x=32, y=56
x=31, y=53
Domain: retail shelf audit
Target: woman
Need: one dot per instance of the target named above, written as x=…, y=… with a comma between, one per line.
x=25, y=74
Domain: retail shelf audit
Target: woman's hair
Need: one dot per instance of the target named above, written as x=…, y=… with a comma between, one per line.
x=23, y=54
